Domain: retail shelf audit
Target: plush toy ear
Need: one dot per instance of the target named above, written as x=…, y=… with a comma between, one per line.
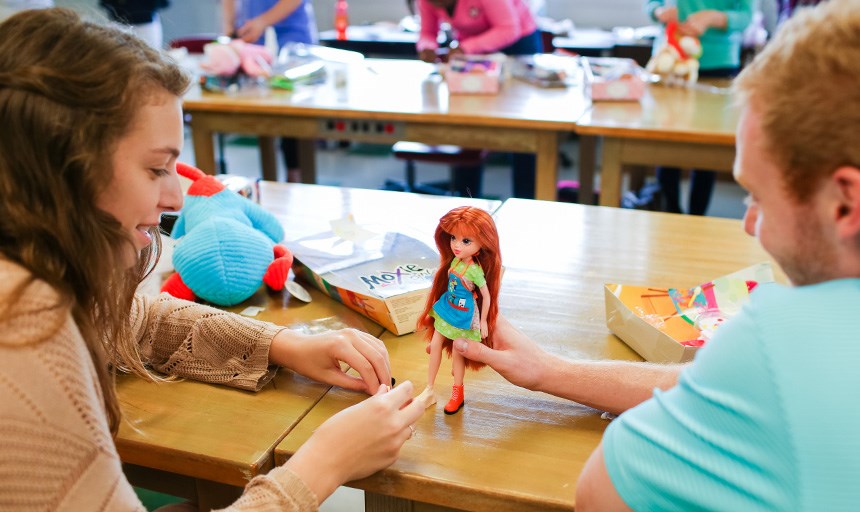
x=176, y=286
x=203, y=184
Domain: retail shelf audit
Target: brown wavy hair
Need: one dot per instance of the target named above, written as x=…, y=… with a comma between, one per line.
x=69, y=90
x=478, y=225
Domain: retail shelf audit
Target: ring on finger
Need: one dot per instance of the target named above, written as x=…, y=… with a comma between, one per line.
x=411, y=431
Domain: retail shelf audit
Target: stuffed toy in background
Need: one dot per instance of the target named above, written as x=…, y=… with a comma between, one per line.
x=678, y=58
x=227, y=245
x=226, y=59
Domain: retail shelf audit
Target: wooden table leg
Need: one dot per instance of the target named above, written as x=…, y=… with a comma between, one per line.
x=587, y=153
x=204, y=149
x=546, y=175
x=268, y=158
x=308, y=160
x=610, y=172
x=378, y=503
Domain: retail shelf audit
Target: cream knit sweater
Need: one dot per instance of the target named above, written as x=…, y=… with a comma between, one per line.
x=56, y=450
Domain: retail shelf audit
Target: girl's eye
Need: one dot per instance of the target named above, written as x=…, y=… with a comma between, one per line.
x=159, y=172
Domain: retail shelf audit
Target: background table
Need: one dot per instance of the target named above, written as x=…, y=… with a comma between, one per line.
x=387, y=101
x=511, y=449
x=205, y=442
x=670, y=126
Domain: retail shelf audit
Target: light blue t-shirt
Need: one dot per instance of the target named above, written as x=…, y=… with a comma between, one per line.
x=766, y=418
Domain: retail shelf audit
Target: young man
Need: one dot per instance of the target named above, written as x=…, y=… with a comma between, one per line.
x=764, y=418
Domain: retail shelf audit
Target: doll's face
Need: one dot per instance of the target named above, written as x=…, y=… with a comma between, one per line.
x=464, y=247
x=144, y=181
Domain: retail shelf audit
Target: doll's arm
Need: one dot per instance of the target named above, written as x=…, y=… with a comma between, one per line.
x=485, y=309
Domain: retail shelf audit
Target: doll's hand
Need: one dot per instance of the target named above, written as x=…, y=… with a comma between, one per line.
x=485, y=330
x=666, y=14
x=252, y=30
x=358, y=441
x=514, y=355
x=319, y=357
x=427, y=55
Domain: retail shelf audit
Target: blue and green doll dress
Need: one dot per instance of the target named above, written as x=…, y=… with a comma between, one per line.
x=456, y=312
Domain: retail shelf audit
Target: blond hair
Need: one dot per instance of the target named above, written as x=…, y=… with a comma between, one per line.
x=806, y=86
x=69, y=90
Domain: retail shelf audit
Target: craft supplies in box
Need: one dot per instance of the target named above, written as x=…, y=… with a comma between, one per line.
x=475, y=74
x=668, y=325
x=612, y=79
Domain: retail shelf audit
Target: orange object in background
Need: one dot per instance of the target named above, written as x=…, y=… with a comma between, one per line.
x=341, y=19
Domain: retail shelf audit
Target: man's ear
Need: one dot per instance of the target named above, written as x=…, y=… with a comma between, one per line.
x=847, y=182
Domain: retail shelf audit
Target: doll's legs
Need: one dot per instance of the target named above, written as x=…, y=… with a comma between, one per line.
x=435, y=350
x=459, y=370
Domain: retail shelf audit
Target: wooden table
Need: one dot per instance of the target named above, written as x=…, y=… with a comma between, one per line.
x=205, y=442
x=670, y=126
x=387, y=101
x=514, y=450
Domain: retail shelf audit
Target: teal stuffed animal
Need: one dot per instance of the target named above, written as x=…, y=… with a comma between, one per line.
x=227, y=245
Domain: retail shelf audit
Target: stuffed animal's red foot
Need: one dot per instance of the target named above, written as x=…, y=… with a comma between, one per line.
x=176, y=286
x=278, y=271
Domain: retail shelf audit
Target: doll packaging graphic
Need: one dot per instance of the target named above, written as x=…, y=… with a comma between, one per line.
x=668, y=325
x=384, y=276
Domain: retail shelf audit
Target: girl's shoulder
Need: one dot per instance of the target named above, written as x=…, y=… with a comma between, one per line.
x=30, y=309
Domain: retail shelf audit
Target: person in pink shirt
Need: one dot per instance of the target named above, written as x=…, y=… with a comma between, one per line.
x=480, y=26
x=484, y=26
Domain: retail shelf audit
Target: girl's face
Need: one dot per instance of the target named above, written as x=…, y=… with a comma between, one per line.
x=464, y=247
x=144, y=183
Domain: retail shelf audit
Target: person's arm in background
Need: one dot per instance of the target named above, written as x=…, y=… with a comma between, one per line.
x=732, y=20
x=612, y=386
x=427, y=39
x=658, y=11
x=504, y=29
x=228, y=17
x=254, y=28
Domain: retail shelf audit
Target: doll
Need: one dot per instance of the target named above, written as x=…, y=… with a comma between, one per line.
x=463, y=300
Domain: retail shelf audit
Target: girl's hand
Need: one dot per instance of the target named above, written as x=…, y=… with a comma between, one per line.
x=427, y=55
x=358, y=441
x=319, y=357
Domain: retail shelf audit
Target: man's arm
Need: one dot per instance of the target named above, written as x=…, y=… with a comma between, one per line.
x=612, y=386
x=594, y=490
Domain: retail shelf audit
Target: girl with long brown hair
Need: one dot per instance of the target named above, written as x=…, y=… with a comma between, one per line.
x=91, y=130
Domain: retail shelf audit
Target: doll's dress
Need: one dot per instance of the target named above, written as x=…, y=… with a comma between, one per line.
x=456, y=312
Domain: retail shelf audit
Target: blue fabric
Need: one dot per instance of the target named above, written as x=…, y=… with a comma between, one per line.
x=527, y=45
x=457, y=305
x=298, y=27
x=226, y=244
x=764, y=419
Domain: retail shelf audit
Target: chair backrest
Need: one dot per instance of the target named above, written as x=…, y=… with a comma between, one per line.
x=193, y=43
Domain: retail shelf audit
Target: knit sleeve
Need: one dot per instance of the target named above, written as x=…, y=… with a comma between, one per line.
x=280, y=489
x=190, y=340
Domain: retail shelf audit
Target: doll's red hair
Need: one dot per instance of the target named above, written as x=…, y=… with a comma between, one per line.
x=477, y=224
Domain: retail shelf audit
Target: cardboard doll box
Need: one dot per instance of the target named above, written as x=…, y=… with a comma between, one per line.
x=668, y=325
x=612, y=79
x=385, y=277
x=475, y=74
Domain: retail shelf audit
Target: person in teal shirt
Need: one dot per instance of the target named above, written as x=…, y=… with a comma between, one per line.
x=764, y=418
x=719, y=25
